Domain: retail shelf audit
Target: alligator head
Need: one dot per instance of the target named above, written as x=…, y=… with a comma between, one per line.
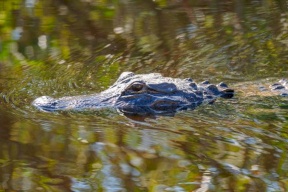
x=143, y=94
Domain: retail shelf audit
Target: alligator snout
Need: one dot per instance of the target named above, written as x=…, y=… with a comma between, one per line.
x=45, y=103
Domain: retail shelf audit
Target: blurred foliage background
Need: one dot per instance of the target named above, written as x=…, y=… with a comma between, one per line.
x=71, y=47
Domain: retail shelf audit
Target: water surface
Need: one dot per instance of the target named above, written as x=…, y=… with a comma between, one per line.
x=61, y=48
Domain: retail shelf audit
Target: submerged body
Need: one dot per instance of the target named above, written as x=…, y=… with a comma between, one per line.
x=263, y=88
x=143, y=94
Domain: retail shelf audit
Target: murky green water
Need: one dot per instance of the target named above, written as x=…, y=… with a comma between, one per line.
x=61, y=48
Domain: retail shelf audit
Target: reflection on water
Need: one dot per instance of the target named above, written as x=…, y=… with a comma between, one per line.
x=194, y=150
x=61, y=48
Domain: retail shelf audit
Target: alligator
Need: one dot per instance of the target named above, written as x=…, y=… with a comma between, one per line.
x=142, y=94
x=153, y=94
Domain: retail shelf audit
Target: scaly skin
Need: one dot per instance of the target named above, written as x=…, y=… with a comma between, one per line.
x=143, y=94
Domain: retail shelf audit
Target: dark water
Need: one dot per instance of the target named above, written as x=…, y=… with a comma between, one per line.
x=60, y=48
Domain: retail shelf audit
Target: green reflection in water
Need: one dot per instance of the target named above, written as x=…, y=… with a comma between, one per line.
x=62, y=48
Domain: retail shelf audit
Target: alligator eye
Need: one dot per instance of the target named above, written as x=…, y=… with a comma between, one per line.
x=137, y=87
